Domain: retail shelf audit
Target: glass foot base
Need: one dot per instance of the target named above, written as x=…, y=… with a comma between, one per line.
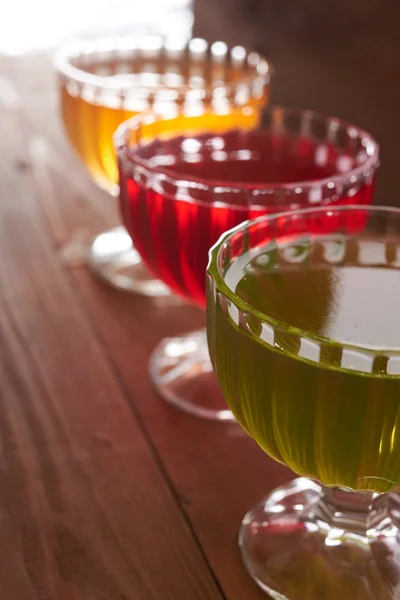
x=294, y=553
x=182, y=374
x=113, y=259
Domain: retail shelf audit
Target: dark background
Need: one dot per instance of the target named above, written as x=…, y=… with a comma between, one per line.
x=339, y=57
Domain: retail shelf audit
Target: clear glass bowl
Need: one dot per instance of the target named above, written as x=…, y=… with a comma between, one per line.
x=322, y=398
x=180, y=190
x=102, y=82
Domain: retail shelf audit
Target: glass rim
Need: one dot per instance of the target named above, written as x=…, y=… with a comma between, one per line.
x=257, y=189
x=221, y=286
x=257, y=65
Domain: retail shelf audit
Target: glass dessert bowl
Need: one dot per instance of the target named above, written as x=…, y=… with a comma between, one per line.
x=180, y=190
x=305, y=341
x=102, y=82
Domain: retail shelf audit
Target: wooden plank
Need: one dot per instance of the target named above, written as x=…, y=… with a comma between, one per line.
x=217, y=471
x=342, y=62
x=84, y=499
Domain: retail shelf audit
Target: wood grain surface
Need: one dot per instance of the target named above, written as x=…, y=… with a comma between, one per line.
x=106, y=493
x=86, y=508
x=336, y=57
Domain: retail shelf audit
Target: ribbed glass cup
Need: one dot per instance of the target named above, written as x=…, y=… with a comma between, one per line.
x=319, y=393
x=102, y=82
x=180, y=190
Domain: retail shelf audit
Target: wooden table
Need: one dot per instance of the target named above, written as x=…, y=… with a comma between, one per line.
x=106, y=493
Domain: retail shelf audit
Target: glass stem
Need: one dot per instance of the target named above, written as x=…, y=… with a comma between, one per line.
x=346, y=512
